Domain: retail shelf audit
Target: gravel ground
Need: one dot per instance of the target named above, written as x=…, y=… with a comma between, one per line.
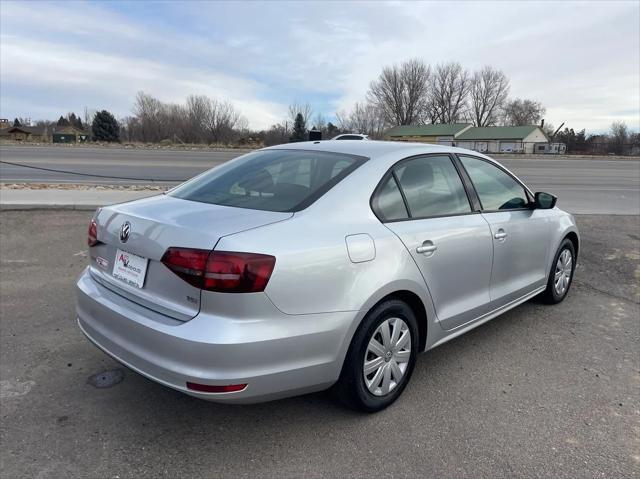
x=539, y=392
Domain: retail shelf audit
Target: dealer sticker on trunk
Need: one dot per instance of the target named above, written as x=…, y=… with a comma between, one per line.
x=130, y=268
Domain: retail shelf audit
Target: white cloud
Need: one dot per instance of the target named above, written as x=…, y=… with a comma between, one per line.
x=115, y=80
x=581, y=60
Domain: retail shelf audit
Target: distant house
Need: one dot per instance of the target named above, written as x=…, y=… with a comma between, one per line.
x=504, y=139
x=488, y=139
x=4, y=123
x=69, y=134
x=442, y=134
x=59, y=134
x=24, y=133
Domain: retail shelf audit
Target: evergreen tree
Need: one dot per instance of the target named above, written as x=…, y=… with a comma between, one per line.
x=581, y=143
x=62, y=121
x=299, y=129
x=16, y=122
x=332, y=130
x=105, y=127
x=74, y=120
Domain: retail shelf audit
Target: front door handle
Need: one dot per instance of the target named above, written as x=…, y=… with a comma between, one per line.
x=500, y=235
x=427, y=248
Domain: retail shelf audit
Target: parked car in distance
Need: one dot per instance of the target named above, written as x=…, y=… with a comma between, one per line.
x=305, y=266
x=351, y=136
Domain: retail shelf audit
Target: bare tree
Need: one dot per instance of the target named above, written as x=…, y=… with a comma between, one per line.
x=549, y=129
x=242, y=125
x=365, y=118
x=303, y=108
x=276, y=135
x=89, y=113
x=401, y=92
x=221, y=120
x=449, y=91
x=199, y=120
x=520, y=112
x=319, y=122
x=130, y=128
x=148, y=110
x=488, y=94
x=196, y=112
x=342, y=119
x=619, y=136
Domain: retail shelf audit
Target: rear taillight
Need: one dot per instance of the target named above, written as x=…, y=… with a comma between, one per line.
x=92, y=237
x=221, y=271
x=238, y=272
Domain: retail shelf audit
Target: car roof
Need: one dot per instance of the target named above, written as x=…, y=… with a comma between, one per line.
x=372, y=149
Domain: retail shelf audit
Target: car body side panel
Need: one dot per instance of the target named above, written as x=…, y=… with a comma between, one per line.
x=458, y=273
x=519, y=259
x=561, y=224
x=313, y=271
x=316, y=274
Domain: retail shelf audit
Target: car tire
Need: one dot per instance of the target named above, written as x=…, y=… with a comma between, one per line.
x=360, y=391
x=554, y=294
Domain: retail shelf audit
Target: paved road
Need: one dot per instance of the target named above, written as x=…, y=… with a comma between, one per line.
x=161, y=165
x=543, y=391
x=583, y=186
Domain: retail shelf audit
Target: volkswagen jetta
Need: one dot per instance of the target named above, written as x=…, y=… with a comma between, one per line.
x=304, y=266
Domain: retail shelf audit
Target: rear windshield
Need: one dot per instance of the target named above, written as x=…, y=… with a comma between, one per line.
x=272, y=180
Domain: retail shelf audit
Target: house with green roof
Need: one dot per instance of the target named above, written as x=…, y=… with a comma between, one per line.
x=488, y=139
x=504, y=139
x=443, y=134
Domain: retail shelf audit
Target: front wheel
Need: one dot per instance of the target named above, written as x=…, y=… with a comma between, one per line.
x=381, y=358
x=561, y=274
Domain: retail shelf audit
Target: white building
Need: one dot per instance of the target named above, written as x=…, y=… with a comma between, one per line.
x=503, y=139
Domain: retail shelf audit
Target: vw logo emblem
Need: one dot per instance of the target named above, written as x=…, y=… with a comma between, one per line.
x=125, y=229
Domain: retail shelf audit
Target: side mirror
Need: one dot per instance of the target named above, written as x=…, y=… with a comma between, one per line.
x=545, y=201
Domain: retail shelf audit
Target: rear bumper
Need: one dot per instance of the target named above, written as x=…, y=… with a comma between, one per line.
x=275, y=354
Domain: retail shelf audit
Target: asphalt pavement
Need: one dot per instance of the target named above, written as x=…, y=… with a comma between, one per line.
x=542, y=391
x=588, y=186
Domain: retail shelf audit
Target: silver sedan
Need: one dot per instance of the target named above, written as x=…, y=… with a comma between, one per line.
x=313, y=265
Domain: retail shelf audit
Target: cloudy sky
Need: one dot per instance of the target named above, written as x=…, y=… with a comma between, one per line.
x=580, y=59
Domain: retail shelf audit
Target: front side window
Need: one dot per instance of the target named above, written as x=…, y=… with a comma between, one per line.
x=432, y=187
x=271, y=180
x=496, y=189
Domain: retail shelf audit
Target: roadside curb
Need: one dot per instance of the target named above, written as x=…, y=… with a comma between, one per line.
x=59, y=199
x=42, y=206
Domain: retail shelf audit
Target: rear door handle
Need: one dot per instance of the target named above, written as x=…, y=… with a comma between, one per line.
x=500, y=235
x=427, y=248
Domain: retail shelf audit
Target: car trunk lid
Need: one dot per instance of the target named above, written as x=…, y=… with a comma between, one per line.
x=155, y=224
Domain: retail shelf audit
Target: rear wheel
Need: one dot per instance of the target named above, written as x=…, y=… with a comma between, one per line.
x=381, y=357
x=561, y=274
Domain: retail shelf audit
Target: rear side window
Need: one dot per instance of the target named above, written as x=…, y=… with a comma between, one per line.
x=496, y=189
x=430, y=185
x=271, y=180
x=387, y=203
